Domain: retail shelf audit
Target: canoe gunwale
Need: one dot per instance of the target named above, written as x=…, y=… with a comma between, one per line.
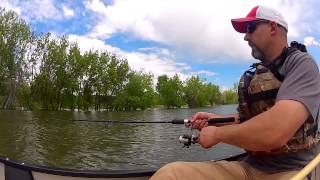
x=78, y=173
x=88, y=173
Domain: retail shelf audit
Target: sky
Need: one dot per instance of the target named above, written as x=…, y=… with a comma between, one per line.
x=184, y=37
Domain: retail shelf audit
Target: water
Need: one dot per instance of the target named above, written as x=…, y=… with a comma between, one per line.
x=53, y=139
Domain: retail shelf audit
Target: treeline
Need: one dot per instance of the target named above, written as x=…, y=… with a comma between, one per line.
x=41, y=72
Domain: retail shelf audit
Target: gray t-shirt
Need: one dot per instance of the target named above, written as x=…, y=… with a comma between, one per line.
x=301, y=83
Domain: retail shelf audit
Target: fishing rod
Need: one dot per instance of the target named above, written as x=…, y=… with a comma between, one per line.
x=211, y=121
x=186, y=139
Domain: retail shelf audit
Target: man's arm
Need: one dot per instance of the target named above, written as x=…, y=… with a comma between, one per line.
x=268, y=130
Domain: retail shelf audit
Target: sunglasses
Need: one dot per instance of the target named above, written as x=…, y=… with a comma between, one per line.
x=252, y=25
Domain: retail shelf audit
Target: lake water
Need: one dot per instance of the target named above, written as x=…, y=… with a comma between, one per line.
x=52, y=138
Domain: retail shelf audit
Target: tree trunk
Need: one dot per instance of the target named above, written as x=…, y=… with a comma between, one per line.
x=9, y=102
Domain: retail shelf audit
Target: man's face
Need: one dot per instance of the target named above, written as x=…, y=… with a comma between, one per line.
x=255, y=36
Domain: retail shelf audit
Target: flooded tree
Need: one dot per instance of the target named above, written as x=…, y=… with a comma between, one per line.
x=42, y=71
x=16, y=39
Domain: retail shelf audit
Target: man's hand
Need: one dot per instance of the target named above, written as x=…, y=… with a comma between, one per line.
x=207, y=137
x=200, y=120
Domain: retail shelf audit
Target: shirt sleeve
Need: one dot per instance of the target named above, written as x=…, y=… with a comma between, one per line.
x=301, y=82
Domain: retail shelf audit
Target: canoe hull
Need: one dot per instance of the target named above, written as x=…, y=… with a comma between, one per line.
x=14, y=170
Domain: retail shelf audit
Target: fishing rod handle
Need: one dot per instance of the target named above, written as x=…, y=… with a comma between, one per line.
x=214, y=121
x=211, y=121
x=180, y=121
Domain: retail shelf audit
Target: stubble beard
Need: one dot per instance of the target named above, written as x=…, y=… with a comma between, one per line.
x=256, y=52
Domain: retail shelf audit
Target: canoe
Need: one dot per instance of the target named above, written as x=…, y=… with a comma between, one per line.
x=15, y=170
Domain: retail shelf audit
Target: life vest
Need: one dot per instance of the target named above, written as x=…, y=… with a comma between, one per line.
x=257, y=93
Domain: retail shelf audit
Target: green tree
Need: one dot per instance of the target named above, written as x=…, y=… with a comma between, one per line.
x=212, y=93
x=53, y=78
x=15, y=39
x=170, y=91
x=116, y=78
x=230, y=96
x=24, y=97
x=89, y=79
x=194, y=92
x=74, y=70
x=51, y=73
x=139, y=92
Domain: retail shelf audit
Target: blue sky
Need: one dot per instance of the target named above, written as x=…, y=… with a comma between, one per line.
x=184, y=37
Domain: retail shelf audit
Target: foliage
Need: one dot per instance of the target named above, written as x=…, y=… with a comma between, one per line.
x=170, y=91
x=138, y=93
x=213, y=93
x=199, y=94
x=230, y=96
x=194, y=93
x=51, y=73
x=15, y=39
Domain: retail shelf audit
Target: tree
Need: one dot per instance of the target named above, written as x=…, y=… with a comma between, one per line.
x=15, y=38
x=194, y=93
x=51, y=73
x=75, y=68
x=89, y=79
x=115, y=80
x=170, y=91
x=212, y=93
x=52, y=80
x=230, y=96
x=139, y=92
x=24, y=97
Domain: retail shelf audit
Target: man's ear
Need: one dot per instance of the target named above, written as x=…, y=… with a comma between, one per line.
x=274, y=27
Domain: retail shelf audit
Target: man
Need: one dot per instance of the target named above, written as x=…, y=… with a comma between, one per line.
x=278, y=110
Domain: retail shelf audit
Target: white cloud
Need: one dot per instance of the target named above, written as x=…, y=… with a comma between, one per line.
x=151, y=61
x=208, y=73
x=10, y=6
x=158, y=51
x=103, y=32
x=309, y=41
x=87, y=44
x=40, y=10
x=154, y=64
x=198, y=28
x=67, y=11
x=96, y=5
x=194, y=30
x=201, y=28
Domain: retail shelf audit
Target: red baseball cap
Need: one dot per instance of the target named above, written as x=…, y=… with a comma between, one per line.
x=258, y=13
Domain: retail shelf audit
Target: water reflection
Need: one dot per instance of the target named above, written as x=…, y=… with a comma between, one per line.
x=53, y=139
